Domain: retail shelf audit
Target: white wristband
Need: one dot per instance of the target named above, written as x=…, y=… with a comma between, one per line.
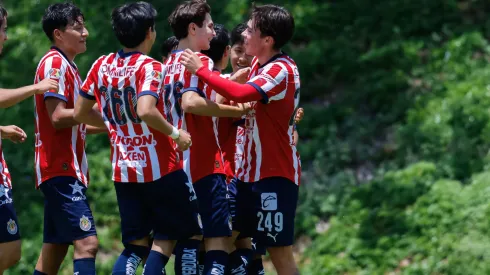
x=175, y=133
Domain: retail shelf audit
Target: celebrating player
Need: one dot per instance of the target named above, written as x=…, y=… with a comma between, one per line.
x=167, y=47
x=192, y=25
x=10, y=246
x=271, y=162
x=60, y=161
x=153, y=192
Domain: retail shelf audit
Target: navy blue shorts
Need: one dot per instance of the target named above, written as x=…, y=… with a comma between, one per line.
x=265, y=210
x=9, y=228
x=167, y=206
x=67, y=214
x=213, y=206
x=232, y=193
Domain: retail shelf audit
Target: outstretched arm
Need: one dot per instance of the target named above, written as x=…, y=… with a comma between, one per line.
x=10, y=97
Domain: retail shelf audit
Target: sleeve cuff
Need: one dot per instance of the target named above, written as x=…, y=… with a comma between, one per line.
x=86, y=95
x=265, y=97
x=55, y=95
x=153, y=94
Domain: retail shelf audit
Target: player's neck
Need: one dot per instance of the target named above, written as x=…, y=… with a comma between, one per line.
x=68, y=54
x=142, y=48
x=187, y=44
x=267, y=55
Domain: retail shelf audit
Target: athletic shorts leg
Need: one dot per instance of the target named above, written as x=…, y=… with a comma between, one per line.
x=67, y=214
x=135, y=216
x=173, y=207
x=231, y=195
x=275, y=210
x=9, y=226
x=214, y=208
x=245, y=216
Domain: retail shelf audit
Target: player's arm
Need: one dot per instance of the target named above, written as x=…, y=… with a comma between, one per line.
x=94, y=129
x=297, y=119
x=193, y=103
x=84, y=113
x=85, y=110
x=240, y=93
x=10, y=97
x=149, y=84
x=14, y=133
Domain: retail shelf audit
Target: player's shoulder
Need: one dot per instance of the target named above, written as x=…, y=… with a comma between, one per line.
x=203, y=56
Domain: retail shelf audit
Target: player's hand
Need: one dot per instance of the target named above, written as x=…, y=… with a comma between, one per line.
x=45, y=85
x=244, y=107
x=191, y=61
x=241, y=76
x=184, y=140
x=14, y=133
x=300, y=113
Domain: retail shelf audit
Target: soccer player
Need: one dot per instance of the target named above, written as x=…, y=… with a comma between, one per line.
x=271, y=167
x=153, y=192
x=192, y=25
x=10, y=246
x=167, y=47
x=60, y=161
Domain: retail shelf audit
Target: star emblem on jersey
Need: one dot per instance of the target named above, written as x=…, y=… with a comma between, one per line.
x=85, y=223
x=12, y=227
x=76, y=188
x=4, y=191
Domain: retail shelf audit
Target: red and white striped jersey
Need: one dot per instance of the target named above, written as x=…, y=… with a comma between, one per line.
x=204, y=156
x=227, y=133
x=5, y=179
x=269, y=149
x=59, y=152
x=139, y=153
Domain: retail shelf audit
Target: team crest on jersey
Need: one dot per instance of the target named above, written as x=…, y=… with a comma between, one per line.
x=157, y=75
x=12, y=227
x=85, y=223
x=54, y=73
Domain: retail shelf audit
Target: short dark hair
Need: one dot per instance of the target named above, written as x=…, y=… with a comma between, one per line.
x=131, y=21
x=236, y=34
x=58, y=16
x=274, y=21
x=193, y=11
x=3, y=14
x=218, y=43
x=168, y=45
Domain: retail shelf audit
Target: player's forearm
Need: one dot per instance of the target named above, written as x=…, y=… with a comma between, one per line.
x=63, y=118
x=153, y=118
x=95, y=130
x=10, y=97
x=240, y=93
x=205, y=107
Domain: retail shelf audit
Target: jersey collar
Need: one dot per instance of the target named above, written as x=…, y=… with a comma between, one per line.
x=64, y=55
x=122, y=54
x=273, y=58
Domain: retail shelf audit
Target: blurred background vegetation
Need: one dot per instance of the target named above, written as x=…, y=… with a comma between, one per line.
x=395, y=141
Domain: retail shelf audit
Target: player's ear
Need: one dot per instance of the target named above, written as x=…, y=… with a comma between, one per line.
x=269, y=41
x=57, y=35
x=192, y=28
x=227, y=51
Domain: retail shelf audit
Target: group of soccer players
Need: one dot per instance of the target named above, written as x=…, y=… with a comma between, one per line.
x=202, y=161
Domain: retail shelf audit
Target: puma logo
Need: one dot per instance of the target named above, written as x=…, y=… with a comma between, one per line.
x=272, y=236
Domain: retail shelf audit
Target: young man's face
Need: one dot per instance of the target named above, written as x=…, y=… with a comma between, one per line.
x=74, y=36
x=205, y=34
x=3, y=33
x=253, y=42
x=238, y=58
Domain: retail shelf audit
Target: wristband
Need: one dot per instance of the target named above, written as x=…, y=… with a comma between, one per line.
x=175, y=133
